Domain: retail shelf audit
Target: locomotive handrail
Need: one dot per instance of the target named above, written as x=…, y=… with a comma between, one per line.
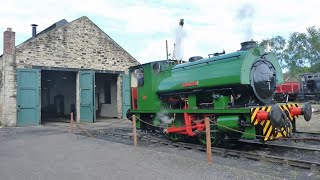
x=205, y=61
x=197, y=90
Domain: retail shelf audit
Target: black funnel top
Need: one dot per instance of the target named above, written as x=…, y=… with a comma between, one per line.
x=248, y=45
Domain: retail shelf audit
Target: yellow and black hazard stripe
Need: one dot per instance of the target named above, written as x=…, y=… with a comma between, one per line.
x=286, y=107
x=254, y=112
x=268, y=131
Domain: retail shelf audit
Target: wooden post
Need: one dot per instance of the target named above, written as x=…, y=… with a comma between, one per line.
x=208, y=140
x=71, y=122
x=134, y=130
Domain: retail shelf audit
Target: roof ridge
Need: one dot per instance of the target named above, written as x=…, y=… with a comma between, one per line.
x=110, y=38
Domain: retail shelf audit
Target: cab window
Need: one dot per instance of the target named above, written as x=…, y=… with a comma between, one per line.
x=137, y=78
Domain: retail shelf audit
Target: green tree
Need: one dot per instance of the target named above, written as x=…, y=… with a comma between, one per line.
x=295, y=53
x=278, y=44
x=302, y=53
x=313, y=48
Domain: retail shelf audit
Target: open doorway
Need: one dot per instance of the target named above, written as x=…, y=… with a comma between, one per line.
x=106, y=96
x=58, y=95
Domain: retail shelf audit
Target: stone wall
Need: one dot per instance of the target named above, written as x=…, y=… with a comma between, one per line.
x=78, y=44
x=8, y=90
x=1, y=90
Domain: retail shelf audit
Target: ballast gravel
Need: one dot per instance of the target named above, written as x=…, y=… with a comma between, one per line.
x=53, y=153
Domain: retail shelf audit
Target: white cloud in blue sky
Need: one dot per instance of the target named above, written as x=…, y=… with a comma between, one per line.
x=141, y=27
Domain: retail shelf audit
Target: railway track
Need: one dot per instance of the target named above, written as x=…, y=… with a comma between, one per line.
x=224, y=152
x=313, y=134
x=316, y=151
x=308, y=137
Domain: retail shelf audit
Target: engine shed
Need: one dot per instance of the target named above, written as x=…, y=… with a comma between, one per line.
x=67, y=67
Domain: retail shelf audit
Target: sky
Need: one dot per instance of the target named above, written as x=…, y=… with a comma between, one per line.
x=141, y=27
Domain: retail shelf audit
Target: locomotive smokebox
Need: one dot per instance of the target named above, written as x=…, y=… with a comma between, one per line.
x=248, y=45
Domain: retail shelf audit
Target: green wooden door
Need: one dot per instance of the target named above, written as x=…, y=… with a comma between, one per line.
x=87, y=99
x=125, y=95
x=28, y=97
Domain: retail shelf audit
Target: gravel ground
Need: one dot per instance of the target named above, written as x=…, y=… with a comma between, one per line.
x=313, y=125
x=277, y=171
x=52, y=153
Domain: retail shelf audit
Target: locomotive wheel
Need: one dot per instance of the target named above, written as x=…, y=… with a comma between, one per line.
x=175, y=136
x=215, y=139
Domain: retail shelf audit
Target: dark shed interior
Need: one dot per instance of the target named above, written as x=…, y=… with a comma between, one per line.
x=58, y=95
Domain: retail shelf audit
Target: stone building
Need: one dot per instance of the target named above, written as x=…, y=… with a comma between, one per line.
x=68, y=67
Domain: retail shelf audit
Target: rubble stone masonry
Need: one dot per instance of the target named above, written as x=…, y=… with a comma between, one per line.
x=8, y=88
x=79, y=44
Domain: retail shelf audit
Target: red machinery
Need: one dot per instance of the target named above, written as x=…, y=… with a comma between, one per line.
x=287, y=88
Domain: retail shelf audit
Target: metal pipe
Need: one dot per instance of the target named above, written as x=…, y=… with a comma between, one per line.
x=167, y=50
x=34, y=30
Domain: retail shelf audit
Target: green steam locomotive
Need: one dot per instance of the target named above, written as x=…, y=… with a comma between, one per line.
x=234, y=90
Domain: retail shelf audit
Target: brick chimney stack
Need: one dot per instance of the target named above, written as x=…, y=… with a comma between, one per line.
x=9, y=38
x=8, y=92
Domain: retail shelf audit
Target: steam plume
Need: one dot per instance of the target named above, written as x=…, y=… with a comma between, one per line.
x=179, y=39
x=245, y=16
x=165, y=119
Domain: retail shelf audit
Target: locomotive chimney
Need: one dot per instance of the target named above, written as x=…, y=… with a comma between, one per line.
x=248, y=45
x=34, y=30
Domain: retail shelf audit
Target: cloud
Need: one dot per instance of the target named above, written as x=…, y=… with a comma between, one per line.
x=141, y=27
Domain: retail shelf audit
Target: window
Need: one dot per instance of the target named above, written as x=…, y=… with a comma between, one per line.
x=156, y=67
x=140, y=77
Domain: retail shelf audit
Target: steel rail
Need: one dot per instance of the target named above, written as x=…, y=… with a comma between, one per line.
x=282, y=146
x=314, y=166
